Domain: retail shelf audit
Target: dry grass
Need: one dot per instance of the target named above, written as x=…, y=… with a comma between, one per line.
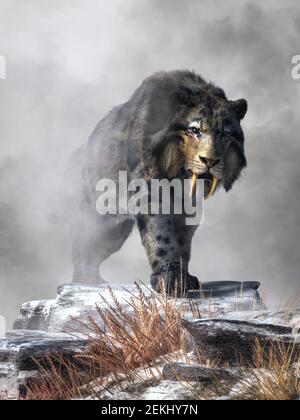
x=142, y=336
x=58, y=380
x=150, y=329
x=134, y=344
x=275, y=375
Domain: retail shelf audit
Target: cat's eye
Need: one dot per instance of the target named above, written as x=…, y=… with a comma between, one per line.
x=196, y=131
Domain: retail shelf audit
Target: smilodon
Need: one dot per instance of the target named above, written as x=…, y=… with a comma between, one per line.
x=175, y=125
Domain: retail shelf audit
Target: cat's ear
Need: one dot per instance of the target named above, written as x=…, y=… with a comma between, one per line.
x=240, y=108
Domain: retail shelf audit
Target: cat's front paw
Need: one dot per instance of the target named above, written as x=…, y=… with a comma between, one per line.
x=174, y=283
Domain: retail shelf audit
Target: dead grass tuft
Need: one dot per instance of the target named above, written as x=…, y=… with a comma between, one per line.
x=141, y=337
x=275, y=375
x=129, y=347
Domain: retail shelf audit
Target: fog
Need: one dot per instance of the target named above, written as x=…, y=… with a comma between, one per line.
x=69, y=63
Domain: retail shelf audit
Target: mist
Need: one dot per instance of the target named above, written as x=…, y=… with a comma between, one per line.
x=69, y=64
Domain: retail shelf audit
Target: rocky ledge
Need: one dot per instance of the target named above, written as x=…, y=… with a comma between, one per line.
x=23, y=351
x=223, y=318
x=79, y=302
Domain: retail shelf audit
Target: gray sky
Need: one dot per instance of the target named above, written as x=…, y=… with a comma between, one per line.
x=69, y=62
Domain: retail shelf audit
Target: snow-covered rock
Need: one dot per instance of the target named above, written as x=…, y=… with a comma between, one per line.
x=58, y=325
x=231, y=340
x=79, y=302
x=162, y=390
x=199, y=373
x=74, y=304
x=22, y=351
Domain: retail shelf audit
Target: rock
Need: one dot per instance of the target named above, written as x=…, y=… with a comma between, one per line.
x=8, y=381
x=74, y=305
x=165, y=391
x=227, y=341
x=198, y=373
x=75, y=301
x=221, y=289
x=149, y=390
x=21, y=353
x=224, y=298
x=34, y=315
x=62, y=321
x=224, y=319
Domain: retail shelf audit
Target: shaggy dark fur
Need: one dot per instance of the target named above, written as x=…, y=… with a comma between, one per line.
x=133, y=138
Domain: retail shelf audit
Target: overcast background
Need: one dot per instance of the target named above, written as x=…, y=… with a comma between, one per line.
x=69, y=62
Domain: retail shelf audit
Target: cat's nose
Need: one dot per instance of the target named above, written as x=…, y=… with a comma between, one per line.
x=210, y=163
